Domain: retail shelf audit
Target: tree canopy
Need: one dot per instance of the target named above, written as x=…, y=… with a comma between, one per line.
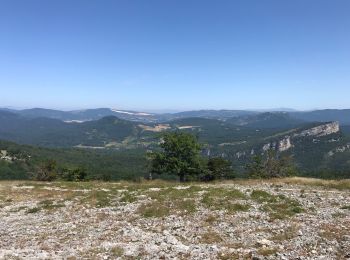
x=180, y=155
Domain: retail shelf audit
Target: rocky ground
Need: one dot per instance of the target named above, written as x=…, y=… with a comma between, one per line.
x=277, y=219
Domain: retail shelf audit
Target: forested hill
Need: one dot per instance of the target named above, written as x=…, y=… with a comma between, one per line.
x=22, y=161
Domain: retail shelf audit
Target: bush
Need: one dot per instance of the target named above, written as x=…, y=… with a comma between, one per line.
x=77, y=174
x=46, y=172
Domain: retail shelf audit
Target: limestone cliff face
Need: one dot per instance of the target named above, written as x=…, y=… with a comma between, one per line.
x=285, y=144
x=340, y=149
x=281, y=146
x=322, y=130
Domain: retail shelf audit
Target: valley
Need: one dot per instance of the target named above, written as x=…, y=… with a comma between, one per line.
x=317, y=148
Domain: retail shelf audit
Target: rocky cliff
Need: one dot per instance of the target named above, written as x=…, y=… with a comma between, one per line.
x=321, y=130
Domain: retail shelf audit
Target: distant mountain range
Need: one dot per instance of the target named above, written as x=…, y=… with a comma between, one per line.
x=326, y=115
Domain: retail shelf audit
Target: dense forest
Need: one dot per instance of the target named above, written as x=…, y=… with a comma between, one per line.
x=99, y=164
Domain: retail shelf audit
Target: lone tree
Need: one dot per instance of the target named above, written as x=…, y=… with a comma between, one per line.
x=180, y=155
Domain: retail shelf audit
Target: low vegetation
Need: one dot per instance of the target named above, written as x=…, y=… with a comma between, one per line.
x=122, y=219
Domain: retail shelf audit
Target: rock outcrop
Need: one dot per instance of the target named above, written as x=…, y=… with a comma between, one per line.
x=285, y=144
x=340, y=149
x=322, y=130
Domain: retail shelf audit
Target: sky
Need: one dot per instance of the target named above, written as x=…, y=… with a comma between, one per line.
x=159, y=55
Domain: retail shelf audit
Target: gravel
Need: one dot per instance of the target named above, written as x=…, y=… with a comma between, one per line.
x=76, y=229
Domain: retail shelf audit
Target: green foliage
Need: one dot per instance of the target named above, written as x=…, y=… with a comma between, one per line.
x=108, y=164
x=180, y=155
x=153, y=209
x=278, y=206
x=218, y=168
x=33, y=210
x=272, y=167
x=262, y=196
x=256, y=168
x=223, y=199
x=77, y=174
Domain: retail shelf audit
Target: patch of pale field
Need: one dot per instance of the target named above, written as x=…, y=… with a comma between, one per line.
x=156, y=128
x=239, y=219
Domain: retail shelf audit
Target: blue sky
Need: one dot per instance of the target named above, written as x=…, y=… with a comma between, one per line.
x=167, y=54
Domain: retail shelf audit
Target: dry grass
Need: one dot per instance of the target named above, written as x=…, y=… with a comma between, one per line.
x=267, y=251
x=288, y=233
x=153, y=209
x=211, y=237
x=328, y=184
x=333, y=232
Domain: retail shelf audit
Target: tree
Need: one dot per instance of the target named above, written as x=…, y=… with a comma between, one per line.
x=79, y=174
x=47, y=171
x=218, y=168
x=180, y=155
x=274, y=166
x=256, y=168
x=288, y=166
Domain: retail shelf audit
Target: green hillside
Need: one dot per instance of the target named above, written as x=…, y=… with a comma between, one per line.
x=99, y=164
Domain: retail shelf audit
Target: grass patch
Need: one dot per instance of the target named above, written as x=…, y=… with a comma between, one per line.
x=165, y=208
x=345, y=207
x=210, y=237
x=154, y=209
x=221, y=199
x=237, y=207
x=227, y=193
x=284, y=209
x=18, y=209
x=117, y=251
x=98, y=198
x=184, y=207
x=211, y=219
x=289, y=233
x=338, y=215
x=278, y=206
x=263, y=196
x=177, y=201
x=33, y=210
x=174, y=193
x=49, y=205
x=128, y=197
x=333, y=232
x=267, y=251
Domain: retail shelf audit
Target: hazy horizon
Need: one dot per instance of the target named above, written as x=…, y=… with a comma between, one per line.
x=182, y=55
x=161, y=111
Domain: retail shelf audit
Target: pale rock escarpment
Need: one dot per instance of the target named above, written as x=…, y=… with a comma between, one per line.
x=340, y=149
x=285, y=144
x=281, y=146
x=322, y=130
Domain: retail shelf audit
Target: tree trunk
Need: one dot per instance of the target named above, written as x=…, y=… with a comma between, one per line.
x=182, y=177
